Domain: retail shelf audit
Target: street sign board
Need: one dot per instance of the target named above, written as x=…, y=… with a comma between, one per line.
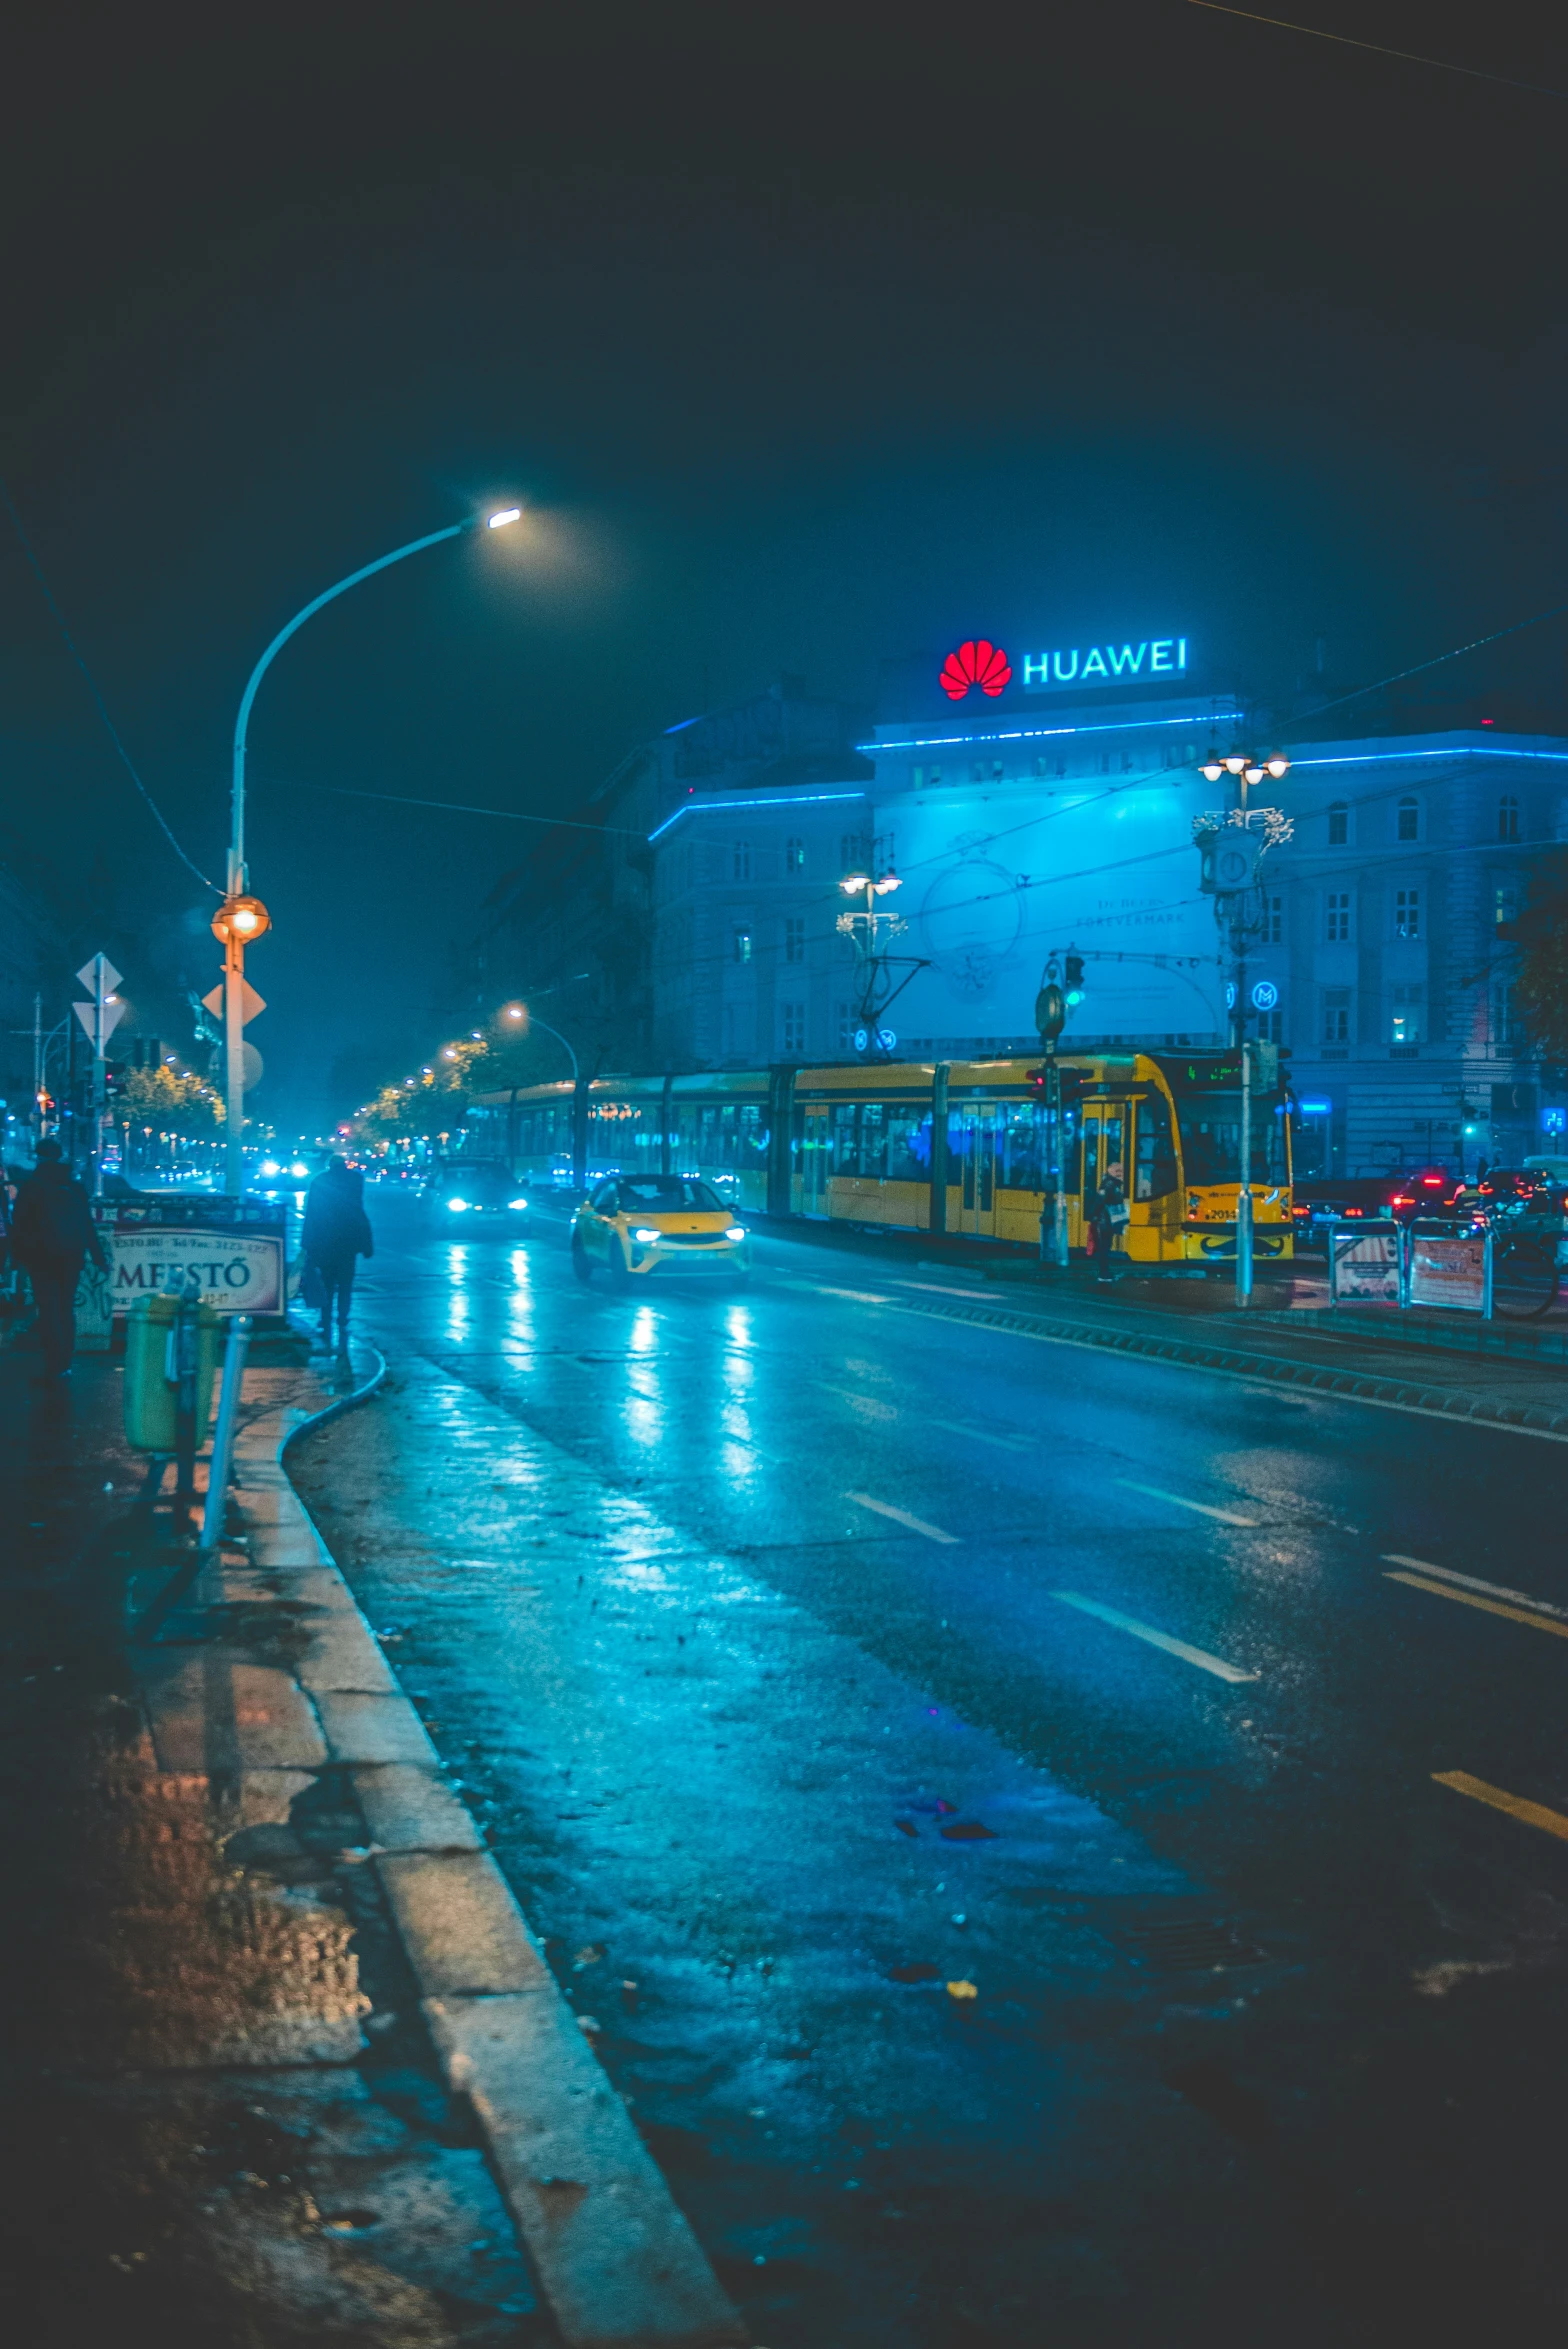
x=238, y=1272
x=87, y=1013
x=100, y=972
x=250, y=1002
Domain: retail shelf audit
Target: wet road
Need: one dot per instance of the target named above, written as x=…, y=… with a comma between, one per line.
x=813, y=1659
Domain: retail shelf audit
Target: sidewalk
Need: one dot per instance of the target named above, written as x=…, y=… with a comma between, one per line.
x=282, y=2058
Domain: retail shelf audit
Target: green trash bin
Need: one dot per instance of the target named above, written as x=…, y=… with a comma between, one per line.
x=150, y=1393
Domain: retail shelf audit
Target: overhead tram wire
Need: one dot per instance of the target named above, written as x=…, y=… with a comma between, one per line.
x=1317, y=32
x=77, y=655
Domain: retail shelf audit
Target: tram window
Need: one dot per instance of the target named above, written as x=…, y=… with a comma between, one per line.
x=1211, y=1139
x=846, y=1153
x=873, y=1138
x=753, y=1138
x=1154, y=1164
x=1020, y=1147
x=907, y=1154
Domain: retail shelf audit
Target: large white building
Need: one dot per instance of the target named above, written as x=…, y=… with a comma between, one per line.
x=1029, y=820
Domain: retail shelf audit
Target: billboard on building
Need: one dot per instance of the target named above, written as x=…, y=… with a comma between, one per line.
x=995, y=882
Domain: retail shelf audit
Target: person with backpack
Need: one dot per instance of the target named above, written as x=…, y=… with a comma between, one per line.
x=337, y=1232
x=52, y=1235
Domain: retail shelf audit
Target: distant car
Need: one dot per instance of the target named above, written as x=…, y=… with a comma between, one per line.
x=674, y=1226
x=1528, y=1192
x=481, y=1196
x=1353, y=1198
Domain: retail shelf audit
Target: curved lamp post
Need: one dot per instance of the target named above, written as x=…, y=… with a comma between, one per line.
x=235, y=931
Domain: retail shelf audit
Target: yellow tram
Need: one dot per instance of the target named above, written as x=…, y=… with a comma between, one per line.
x=960, y=1148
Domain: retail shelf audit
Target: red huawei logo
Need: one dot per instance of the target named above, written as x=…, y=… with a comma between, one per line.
x=976, y=663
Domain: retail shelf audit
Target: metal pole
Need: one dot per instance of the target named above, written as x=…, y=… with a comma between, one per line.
x=100, y=1090
x=1244, y=1195
x=233, y=1024
x=183, y=1339
x=234, y=1065
x=222, y=1461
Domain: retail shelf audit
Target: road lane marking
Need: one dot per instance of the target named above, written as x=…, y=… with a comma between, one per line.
x=857, y=1296
x=872, y=1405
x=933, y=1533
x=1533, y=1814
x=982, y=1435
x=1464, y=1598
x=1204, y=1508
x=1156, y=1639
x=1496, y=1590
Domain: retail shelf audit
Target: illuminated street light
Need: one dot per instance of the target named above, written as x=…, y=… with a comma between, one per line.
x=853, y=882
x=236, y=938
x=1212, y=768
x=1278, y=764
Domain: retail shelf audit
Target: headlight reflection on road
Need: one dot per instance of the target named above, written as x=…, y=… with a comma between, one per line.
x=645, y=1331
x=457, y=1317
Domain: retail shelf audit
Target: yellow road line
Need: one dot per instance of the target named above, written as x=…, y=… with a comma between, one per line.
x=1533, y=1814
x=1464, y=1598
x=1203, y=1508
x=933, y=1533
x=1493, y=1590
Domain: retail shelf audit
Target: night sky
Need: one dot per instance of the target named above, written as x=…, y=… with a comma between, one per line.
x=809, y=338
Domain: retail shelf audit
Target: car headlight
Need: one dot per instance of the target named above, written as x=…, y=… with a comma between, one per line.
x=269, y=1166
x=456, y=1206
x=298, y=1168
x=737, y=1231
x=515, y=1204
x=644, y=1237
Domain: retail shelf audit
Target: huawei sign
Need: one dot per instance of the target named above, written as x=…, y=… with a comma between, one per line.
x=976, y=663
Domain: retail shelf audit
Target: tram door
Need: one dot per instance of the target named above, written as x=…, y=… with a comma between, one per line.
x=1104, y=1129
x=980, y=1127
x=816, y=1158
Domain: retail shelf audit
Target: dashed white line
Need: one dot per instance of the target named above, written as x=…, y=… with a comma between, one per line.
x=933, y=1533
x=1203, y=1508
x=1156, y=1639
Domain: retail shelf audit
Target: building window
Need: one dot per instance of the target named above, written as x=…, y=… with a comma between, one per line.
x=977, y=771
x=1274, y=920
x=1404, y=1022
x=1407, y=820
x=1508, y=817
x=740, y=946
x=851, y=854
x=1336, y=1015
x=917, y=776
x=795, y=850
x=1505, y=903
x=1339, y=824
x=1407, y=915
x=844, y=1027
x=1505, y=1019
x=1105, y=762
x=1271, y=1026
x=740, y=861
x=795, y=938
x=793, y=1020
x=1338, y=917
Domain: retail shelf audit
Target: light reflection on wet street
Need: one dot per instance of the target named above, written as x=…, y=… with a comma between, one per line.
x=811, y=1661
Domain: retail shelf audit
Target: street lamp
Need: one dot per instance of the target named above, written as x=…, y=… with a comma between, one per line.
x=1231, y=909
x=237, y=935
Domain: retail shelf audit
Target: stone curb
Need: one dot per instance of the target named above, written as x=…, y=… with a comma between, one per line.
x=614, y=2258
x=1231, y=1362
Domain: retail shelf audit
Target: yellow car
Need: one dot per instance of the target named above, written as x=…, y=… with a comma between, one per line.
x=673, y=1225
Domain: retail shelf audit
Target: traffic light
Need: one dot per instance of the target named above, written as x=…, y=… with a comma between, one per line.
x=1050, y=1012
x=1072, y=967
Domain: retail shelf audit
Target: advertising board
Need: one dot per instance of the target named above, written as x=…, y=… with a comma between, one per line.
x=1451, y=1268
x=1364, y=1265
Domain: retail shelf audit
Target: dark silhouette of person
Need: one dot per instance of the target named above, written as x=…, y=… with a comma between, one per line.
x=52, y=1234
x=337, y=1231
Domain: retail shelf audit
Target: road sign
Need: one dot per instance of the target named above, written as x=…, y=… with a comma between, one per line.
x=250, y=1003
x=100, y=972
x=1265, y=995
x=87, y=1013
x=251, y=1065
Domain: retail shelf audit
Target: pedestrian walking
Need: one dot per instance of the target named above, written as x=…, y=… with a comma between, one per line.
x=337, y=1232
x=52, y=1235
x=1110, y=1213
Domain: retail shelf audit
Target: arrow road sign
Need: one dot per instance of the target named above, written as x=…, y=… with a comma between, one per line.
x=250, y=1002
